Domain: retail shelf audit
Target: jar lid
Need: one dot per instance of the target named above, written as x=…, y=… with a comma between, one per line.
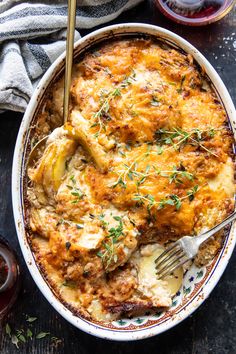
x=195, y=12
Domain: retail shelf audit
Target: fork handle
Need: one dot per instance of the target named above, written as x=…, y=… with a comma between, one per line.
x=69, y=56
x=206, y=235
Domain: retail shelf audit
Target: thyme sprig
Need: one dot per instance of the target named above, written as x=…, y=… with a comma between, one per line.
x=154, y=101
x=177, y=138
x=109, y=255
x=176, y=175
x=104, y=109
x=121, y=180
x=105, y=102
x=171, y=199
x=180, y=89
x=75, y=191
x=22, y=336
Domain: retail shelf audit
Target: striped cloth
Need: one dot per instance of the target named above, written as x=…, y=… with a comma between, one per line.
x=33, y=35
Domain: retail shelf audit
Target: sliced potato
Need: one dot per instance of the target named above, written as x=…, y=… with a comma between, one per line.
x=97, y=311
x=43, y=221
x=78, y=129
x=52, y=165
x=224, y=179
x=158, y=291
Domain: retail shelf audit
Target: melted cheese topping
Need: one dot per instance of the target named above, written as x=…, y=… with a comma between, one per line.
x=145, y=158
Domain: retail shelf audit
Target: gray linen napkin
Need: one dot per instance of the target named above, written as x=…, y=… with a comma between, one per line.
x=32, y=36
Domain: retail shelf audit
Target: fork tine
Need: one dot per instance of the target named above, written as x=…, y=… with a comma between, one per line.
x=169, y=257
x=174, y=266
x=176, y=257
x=170, y=250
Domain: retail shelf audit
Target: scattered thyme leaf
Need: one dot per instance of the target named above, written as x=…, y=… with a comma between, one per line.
x=105, y=103
x=70, y=284
x=75, y=201
x=79, y=226
x=191, y=193
x=212, y=133
x=8, y=330
x=67, y=244
x=15, y=341
x=30, y=319
x=72, y=178
x=21, y=337
x=119, y=182
x=172, y=199
x=29, y=333
x=108, y=255
x=177, y=201
x=159, y=150
x=41, y=335
x=177, y=175
x=121, y=153
x=180, y=89
x=178, y=138
x=155, y=102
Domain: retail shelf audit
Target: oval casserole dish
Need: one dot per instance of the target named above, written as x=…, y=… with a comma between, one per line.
x=204, y=280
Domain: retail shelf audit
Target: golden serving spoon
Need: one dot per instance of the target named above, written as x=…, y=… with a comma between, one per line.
x=69, y=62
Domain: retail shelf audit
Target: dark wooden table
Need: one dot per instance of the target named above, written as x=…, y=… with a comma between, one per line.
x=212, y=328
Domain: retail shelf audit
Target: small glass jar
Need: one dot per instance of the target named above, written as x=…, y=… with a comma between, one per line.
x=195, y=12
x=9, y=278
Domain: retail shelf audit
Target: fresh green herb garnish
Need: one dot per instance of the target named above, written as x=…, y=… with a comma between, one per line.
x=70, y=223
x=101, y=218
x=179, y=173
x=108, y=254
x=106, y=97
x=41, y=335
x=171, y=199
x=75, y=191
x=191, y=193
x=67, y=244
x=72, y=178
x=180, y=89
x=118, y=182
x=8, y=330
x=21, y=336
x=30, y=319
x=176, y=175
x=70, y=284
x=121, y=153
x=130, y=170
x=79, y=226
x=29, y=333
x=179, y=138
x=15, y=341
x=155, y=102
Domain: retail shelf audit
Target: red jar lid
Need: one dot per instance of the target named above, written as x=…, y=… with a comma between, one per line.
x=195, y=12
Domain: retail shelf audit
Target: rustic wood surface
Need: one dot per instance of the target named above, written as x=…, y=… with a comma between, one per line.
x=212, y=328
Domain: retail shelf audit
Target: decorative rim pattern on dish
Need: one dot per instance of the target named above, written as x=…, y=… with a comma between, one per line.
x=196, y=288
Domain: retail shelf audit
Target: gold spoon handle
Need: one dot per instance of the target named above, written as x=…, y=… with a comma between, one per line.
x=69, y=56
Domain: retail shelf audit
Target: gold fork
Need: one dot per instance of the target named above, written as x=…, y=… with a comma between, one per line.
x=185, y=249
x=69, y=62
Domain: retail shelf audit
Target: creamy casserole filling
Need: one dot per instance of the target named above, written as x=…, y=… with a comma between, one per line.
x=145, y=159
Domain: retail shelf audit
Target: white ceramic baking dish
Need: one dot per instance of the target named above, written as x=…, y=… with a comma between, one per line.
x=203, y=280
